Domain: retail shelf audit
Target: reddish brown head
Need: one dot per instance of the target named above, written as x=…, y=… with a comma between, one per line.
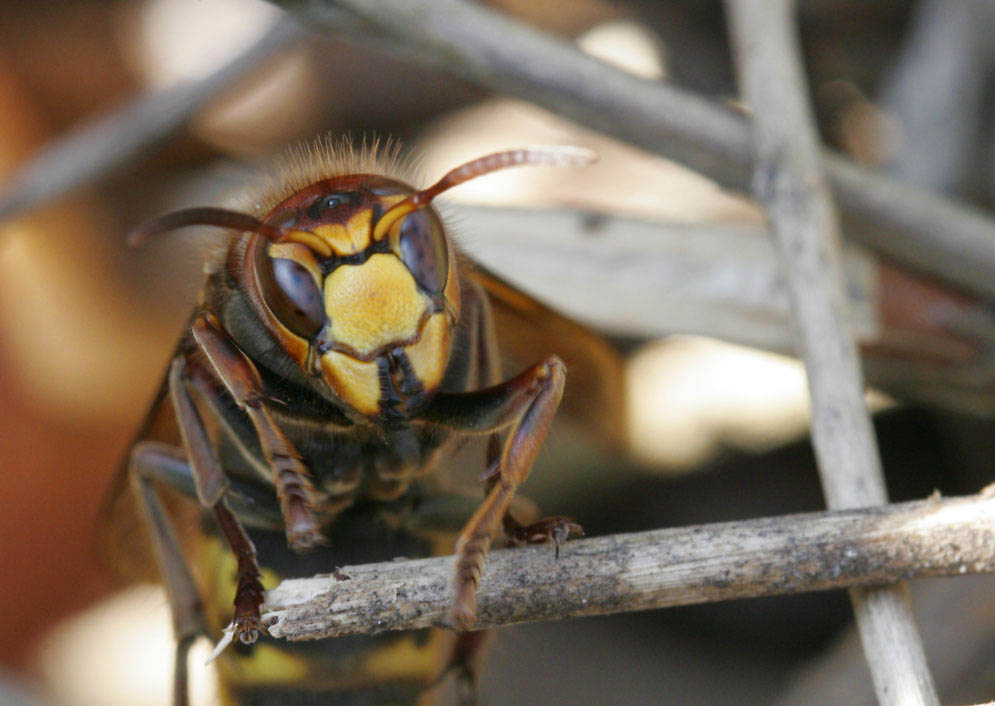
x=355, y=279
x=355, y=304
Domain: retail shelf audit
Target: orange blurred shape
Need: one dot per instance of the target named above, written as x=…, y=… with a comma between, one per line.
x=57, y=458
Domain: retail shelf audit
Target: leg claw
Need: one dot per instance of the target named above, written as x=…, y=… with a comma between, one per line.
x=549, y=530
x=245, y=630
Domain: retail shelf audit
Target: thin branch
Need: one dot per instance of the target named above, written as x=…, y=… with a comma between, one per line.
x=951, y=240
x=957, y=627
x=639, y=278
x=792, y=186
x=98, y=149
x=803, y=220
x=946, y=47
x=643, y=279
x=658, y=569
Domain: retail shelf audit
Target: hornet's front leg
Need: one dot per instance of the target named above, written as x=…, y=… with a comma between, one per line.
x=290, y=477
x=210, y=485
x=525, y=405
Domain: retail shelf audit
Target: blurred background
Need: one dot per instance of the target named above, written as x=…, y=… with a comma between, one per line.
x=676, y=272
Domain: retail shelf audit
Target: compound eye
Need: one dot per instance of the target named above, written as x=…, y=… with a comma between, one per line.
x=292, y=295
x=424, y=250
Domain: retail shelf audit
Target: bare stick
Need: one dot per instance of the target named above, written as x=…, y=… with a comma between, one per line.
x=945, y=47
x=100, y=148
x=791, y=184
x=658, y=569
x=645, y=279
x=934, y=234
x=639, y=278
x=956, y=625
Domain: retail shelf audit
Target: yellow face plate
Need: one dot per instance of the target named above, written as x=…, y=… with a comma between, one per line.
x=354, y=381
x=430, y=354
x=373, y=304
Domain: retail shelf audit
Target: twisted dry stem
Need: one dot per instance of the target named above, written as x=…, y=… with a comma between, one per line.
x=792, y=184
x=662, y=568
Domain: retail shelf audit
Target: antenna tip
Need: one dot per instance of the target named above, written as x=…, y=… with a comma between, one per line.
x=564, y=155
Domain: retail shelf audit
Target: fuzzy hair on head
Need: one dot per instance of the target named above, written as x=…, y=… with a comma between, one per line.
x=325, y=157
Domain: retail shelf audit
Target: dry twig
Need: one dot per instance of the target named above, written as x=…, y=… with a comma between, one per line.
x=790, y=182
x=657, y=569
x=956, y=625
x=98, y=149
x=646, y=279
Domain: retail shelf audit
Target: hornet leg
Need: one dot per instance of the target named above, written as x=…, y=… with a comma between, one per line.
x=525, y=405
x=149, y=462
x=290, y=476
x=210, y=484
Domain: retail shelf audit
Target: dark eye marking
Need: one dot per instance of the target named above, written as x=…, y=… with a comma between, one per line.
x=328, y=202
